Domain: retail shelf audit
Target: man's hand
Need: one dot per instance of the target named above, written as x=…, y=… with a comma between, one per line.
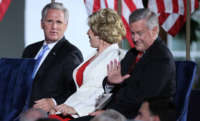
x=114, y=73
x=45, y=104
x=96, y=113
x=65, y=109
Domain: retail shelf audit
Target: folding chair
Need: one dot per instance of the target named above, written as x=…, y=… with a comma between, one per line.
x=185, y=73
x=15, y=86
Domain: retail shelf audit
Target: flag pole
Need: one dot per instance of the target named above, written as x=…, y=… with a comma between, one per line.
x=119, y=8
x=188, y=30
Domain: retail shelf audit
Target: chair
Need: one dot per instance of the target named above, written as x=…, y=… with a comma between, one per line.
x=15, y=86
x=193, y=111
x=185, y=73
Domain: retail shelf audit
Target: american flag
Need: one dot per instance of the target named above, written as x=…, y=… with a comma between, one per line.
x=127, y=6
x=172, y=13
x=3, y=7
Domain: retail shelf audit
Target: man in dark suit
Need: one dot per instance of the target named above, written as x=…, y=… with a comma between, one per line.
x=148, y=70
x=53, y=82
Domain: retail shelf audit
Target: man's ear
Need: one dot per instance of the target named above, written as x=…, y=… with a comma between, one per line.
x=155, y=31
x=42, y=24
x=66, y=25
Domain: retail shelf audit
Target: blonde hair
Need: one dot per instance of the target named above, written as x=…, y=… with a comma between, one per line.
x=107, y=24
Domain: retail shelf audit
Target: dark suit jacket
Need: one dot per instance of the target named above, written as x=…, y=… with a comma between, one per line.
x=153, y=75
x=54, y=77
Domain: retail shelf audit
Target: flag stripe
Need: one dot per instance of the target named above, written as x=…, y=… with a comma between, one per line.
x=175, y=6
x=128, y=35
x=170, y=21
x=116, y=5
x=106, y=3
x=89, y=6
x=102, y=4
x=125, y=11
x=181, y=7
x=127, y=7
x=177, y=25
x=110, y=4
x=130, y=5
x=171, y=13
x=152, y=5
x=163, y=17
x=138, y=4
x=196, y=4
x=167, y=5
x=160, y=6
x=3, y=7
x=96, y=5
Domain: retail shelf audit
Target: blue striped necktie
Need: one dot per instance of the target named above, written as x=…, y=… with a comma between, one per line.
x=39, y=58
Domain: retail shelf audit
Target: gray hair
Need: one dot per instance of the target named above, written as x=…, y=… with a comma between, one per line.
x=26, y=115
x=109, y=115
x=144, y=13
x=57, y=6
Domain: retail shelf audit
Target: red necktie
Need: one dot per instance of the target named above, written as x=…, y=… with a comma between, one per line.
x=140, y=54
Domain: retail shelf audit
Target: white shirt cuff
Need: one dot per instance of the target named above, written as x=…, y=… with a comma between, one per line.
x=54, y=101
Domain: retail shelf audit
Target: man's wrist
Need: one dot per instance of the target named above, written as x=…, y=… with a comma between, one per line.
x=54, y=101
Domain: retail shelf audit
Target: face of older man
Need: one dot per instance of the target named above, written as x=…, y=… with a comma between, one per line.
x=143, y=37
x=54, y=25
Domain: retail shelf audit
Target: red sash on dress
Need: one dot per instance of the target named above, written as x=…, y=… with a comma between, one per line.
x=79, y=74
x=67, y=118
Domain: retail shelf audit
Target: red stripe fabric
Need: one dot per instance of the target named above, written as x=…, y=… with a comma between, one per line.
x=106, y=3
x=175, y=6
x=162, y=18
x=160, y=6
x=185, y=7
x=3, y=7
x=116, y=5
x=196, y=4
x=175, y=9
x=131, y=5
x=128, y=32
x=80, y=71
x=177, y=26
x=96, y=5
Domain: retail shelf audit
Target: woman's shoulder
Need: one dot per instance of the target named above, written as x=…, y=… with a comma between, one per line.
x=116, y=52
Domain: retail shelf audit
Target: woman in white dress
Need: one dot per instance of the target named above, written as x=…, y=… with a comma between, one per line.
x=106, y=31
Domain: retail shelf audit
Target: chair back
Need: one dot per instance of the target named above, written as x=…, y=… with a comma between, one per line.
x=185, y=73
x=15, y=86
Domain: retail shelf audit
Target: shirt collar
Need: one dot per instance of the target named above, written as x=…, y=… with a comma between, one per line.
x=51, y=45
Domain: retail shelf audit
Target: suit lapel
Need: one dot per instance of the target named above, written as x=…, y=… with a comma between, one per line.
x=35, y=50
x=50, y=57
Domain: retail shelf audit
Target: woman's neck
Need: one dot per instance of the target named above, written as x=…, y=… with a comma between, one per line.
x=102, y=47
